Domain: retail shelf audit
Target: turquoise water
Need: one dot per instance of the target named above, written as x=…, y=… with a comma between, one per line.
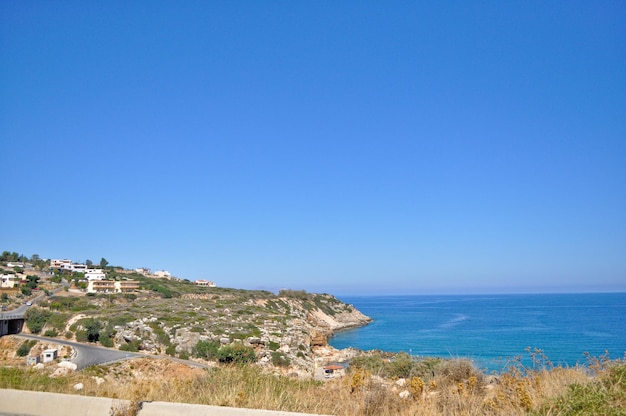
x=492, y=329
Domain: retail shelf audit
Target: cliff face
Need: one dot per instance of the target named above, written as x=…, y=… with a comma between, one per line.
x=324, y=315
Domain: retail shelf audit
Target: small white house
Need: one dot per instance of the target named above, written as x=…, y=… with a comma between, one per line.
x=8, y=281
x=162, y=273
x=49, y=355
x=205, y=283
x=33, y=359
x=75, y=267
x=59, y=263
x=94, y=274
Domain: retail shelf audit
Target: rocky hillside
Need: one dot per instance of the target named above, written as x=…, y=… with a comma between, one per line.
x=181, y=320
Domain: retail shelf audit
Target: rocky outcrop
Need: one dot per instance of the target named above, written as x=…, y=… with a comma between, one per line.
x=286, y=331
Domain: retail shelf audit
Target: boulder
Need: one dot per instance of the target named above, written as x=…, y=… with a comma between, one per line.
x=68, y=365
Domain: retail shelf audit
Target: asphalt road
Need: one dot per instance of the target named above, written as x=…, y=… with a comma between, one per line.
x=87, y=355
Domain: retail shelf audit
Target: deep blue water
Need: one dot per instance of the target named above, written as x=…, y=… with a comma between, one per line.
x=492, y=329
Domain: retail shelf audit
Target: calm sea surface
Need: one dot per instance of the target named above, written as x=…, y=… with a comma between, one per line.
x=491, y=329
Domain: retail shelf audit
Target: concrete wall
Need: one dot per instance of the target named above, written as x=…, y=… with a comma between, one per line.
x=34, y=403
x=10, y=325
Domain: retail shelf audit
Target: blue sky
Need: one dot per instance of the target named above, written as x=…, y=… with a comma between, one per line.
x=341, y=147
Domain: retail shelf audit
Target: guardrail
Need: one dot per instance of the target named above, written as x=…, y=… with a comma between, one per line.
x=4, y=316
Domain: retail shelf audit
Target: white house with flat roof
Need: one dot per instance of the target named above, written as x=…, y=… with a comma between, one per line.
x=49, y=355
x=205, y=283
x=95, y=274
x=8, y=281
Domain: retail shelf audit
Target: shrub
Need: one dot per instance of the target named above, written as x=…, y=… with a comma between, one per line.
x=51, y=333
x=92, y=328
x=207, y=350
x=236, y=354
x=36, y=319
x=57, y=321
x=605, y=396
x=273, y=346
x=106, y=340
x=401, y=366
x=458, y=371
x=171, y=350
x=25, y=347
x=279, y=359
x=81, y=336
x=132, y=346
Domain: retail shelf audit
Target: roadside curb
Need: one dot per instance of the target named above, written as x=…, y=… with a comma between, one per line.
x=35, y=403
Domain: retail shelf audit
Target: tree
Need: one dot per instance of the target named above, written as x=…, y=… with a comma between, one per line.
x=32, y=281
x=89, y=263
x=92, y=327
x=36, y=318
x=103, y=263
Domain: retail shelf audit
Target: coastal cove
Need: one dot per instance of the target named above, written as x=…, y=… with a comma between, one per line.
x=492, y=330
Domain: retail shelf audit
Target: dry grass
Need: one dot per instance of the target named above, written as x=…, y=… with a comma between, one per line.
x=356, y=394
x=457, y=390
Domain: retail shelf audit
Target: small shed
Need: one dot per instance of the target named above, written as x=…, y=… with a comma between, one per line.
x=49, y=355
x=33, y=359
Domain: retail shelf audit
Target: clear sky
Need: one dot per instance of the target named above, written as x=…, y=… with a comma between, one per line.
x=348, y=147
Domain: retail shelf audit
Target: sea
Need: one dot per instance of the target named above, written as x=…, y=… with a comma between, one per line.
x=494, y=331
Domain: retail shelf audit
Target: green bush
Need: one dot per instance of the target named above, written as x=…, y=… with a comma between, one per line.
x=236, y=354
x=57, y=321
x=207, y=350
x=171, y=350
x=92, y=328
x=403, y=365
x=36, y=319
x=279, y=359
x=25, y=347
x=606, y=396
x=81, y=336
x=273, y=346
x=51, y=333
x=132, y=346
x=106, y=340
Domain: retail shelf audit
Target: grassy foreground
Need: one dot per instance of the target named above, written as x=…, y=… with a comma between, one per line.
x=455, y=389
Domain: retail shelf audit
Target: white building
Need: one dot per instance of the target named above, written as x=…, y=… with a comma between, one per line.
x=206, y=283
x=143, y=270
x=49, y=355
x=95, y=274
x=74, y=267
x=58, y=264
x=162, y=273
x=112, y=286
x=8, y=280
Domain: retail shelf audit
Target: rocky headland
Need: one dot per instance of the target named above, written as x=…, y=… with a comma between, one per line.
x=288, y=331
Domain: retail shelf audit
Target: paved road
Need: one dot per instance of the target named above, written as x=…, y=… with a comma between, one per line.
x=88, y=355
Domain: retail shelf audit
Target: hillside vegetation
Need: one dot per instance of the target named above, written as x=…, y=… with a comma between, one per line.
x=178, y=318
